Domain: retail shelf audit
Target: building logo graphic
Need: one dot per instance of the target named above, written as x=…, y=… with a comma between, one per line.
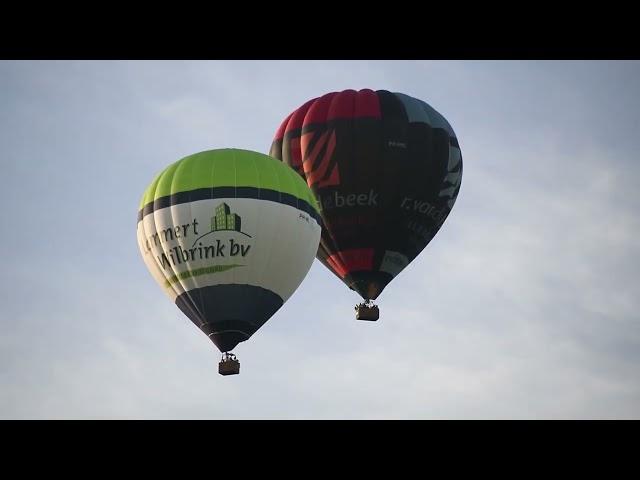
x=224, y=242
x=225, y=220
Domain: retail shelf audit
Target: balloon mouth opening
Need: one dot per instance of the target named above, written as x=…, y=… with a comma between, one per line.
x=227, y=340
x=369, y=284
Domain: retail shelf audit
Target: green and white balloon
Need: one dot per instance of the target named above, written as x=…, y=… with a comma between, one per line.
x=229, y=235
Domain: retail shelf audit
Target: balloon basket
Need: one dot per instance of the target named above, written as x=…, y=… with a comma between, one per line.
x=229, y=365
x=367, y=311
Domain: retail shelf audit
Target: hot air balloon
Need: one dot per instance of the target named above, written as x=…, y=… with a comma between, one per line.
x=386, y=170
x=228, y=235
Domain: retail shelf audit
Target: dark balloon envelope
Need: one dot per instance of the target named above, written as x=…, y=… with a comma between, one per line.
x=385, y=169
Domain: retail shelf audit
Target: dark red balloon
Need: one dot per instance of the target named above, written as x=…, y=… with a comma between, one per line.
x=386, y=170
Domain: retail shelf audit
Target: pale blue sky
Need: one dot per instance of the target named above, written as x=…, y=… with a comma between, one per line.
x=524, y=306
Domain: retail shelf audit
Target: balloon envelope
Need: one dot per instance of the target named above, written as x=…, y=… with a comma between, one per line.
x=386, y=170
x=229, y=235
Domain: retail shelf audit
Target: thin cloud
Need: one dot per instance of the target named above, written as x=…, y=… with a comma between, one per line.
x=523, y=306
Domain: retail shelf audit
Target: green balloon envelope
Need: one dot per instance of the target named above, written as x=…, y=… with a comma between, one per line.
x=228, y=235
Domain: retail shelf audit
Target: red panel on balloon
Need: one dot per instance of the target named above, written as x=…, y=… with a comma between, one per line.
x=346, y=261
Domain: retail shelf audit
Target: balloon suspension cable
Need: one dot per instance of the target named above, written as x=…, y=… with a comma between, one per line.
x=228, y=356
x=368, y=303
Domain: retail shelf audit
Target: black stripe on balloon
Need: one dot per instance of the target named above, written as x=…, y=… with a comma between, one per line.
x=224, y=314
x=319, y=160
x=294, y=132
x=453, y=141
x=229, y=192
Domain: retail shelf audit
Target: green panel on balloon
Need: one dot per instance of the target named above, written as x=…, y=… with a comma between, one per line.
x=226, y=168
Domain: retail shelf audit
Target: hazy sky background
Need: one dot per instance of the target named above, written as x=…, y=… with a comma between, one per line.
x=525, y=305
